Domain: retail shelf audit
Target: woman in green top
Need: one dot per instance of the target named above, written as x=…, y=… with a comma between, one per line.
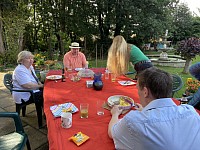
x=121, y=54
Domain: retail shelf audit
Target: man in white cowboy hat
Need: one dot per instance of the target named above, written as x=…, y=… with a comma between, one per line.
x=74, y=59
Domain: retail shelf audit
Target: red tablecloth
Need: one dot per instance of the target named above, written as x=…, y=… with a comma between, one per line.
x=95, y=126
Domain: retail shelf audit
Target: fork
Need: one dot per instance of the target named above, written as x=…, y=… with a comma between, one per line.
x=126, y=82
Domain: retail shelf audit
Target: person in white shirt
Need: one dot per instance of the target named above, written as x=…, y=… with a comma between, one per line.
x=24, y=77
x=158, y=123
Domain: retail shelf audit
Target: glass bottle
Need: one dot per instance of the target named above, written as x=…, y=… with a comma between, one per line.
x=63, y=75
x=184, y=99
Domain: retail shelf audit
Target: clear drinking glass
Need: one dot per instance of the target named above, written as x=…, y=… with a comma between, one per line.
x=113, y=77
x=100, y=109
x=106, y=74
x=84, y=110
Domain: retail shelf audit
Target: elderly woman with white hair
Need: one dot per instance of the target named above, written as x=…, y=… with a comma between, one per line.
x=24, y=77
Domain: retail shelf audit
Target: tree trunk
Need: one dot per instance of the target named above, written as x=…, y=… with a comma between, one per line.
x=187, y=64
x=100, y=26
x=62, y=51
x=2, y=48
x=49, y=50
x=20, y=39
x=61, y=46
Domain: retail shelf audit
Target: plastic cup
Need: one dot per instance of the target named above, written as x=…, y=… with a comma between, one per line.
x=84, y=110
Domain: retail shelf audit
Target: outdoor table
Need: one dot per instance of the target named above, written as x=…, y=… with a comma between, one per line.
x=94, y=126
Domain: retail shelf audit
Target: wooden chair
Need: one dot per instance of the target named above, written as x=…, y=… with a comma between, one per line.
x=177, y=83
x=8, y=84
x=15, y=140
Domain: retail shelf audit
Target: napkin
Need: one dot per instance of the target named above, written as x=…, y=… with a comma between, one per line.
x=58, y=109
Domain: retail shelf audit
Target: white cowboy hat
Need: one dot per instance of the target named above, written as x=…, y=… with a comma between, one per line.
x=74, y=45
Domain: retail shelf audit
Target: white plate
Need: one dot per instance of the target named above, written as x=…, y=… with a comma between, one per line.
x=78, y=69
x=112, y=100
x=54, y=77
x=125, y=83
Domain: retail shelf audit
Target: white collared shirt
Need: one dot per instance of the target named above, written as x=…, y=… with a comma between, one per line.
x=22, y=75
x=161, y=125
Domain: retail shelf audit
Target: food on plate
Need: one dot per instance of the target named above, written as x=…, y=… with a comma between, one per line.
x=74, y=77
x=123, y=101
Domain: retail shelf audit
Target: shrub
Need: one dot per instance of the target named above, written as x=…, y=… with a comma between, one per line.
x=189, y=48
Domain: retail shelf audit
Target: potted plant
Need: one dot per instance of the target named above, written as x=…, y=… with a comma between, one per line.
x=192, y=86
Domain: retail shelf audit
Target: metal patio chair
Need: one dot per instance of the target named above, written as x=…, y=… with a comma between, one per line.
x=177, y=83
x=17, y=139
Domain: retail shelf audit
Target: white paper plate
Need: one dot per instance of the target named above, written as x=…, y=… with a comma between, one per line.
x=54, y=77
x=78, y=69
x=125, y=83
x=112, y=100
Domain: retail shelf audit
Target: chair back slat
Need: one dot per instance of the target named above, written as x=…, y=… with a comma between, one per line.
x=177, y=83
x=8, y=81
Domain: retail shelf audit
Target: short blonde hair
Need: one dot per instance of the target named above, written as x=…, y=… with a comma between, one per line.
x=22, y=55
x=118, y=56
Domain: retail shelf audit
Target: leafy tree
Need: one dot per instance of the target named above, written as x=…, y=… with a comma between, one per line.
x=14, y=19
x=5, y=7
x=50, y=25
x=153, y=18
x=188, y=49
x=182, y=23
x=196, y=27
